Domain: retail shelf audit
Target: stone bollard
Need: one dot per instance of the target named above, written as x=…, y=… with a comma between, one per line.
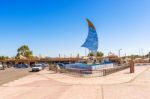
x=131, y=65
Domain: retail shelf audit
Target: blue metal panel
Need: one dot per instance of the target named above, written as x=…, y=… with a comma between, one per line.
x=92, y=39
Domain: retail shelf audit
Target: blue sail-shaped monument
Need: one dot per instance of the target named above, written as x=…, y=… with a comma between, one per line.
x=91, y=41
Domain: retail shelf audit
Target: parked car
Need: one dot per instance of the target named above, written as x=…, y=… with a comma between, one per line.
x=37, y=67
x=44, y=65
x=61, y=65
x=1, y=66
x=22, y=66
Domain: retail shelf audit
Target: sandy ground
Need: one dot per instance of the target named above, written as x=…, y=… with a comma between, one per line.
x=49, y=85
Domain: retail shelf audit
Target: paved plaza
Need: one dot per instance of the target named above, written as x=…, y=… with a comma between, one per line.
x=49, y=85
x=11, y=74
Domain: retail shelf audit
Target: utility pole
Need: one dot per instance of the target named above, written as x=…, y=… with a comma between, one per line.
x=125, y=54
x=119, y=52
x=71, y=55
x=139, y=52
x=149, y=56
x=142, y=53
x=85, y=52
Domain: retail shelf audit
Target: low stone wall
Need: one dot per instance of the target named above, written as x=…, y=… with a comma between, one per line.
x=113, y=70
x=89, y=73
x=83, y=73
x=142, y=64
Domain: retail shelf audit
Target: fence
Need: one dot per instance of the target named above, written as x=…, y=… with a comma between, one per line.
x=92, y=73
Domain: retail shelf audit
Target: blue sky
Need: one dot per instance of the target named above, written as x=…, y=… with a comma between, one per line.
x=51, y=27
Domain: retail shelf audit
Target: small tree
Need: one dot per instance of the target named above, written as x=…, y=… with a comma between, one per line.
x=100, y=54
x=4, y=57
x=24, y=51
x=90, y=54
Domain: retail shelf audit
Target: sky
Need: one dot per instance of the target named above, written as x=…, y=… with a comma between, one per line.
x=53, y=27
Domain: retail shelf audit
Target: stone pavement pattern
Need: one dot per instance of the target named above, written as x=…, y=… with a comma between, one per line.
x=48, y=85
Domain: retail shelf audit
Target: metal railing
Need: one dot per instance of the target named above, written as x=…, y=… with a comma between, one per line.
x=113, y=70
x=91, y=73
x=83, y=72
